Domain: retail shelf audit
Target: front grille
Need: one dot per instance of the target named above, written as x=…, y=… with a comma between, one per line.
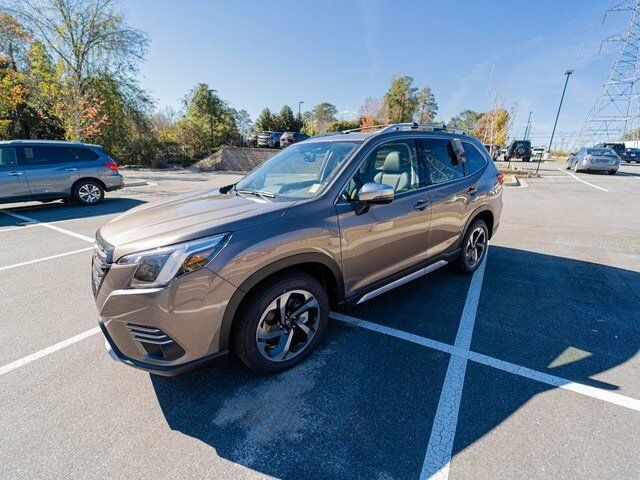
x=155, y=342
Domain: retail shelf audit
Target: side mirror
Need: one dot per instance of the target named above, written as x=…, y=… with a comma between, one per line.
x=375, y=194
x=458, y=150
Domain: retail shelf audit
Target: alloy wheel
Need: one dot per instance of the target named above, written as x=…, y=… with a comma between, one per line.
x=476, y=247
x=288, y=325
x=89, y=193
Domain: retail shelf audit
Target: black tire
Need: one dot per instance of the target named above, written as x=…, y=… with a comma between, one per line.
x=245, y=326
x=88, y=192
x=461, y=264
x=527, y=159
x=612, y=172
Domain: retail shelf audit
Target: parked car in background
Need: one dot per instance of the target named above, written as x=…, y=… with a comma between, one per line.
x=256, y=267
x=632, y=155
x=269, y=139
x=252, y=140
x=494, y=151
x=52, y=170
x=519, y=149
x=289, y=138
x=594, y=159
x=537, y=153
x=617, y=147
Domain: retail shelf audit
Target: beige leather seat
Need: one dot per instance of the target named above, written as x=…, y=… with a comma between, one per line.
x=396, y=172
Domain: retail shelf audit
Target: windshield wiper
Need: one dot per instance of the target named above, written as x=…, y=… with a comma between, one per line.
x=259, y=193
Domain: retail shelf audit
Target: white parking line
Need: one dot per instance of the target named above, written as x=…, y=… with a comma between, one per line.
x=581, y=388
x=37, y=260
x=438, y=456
x=48, y=225
x=47, y=351
x=586, y=183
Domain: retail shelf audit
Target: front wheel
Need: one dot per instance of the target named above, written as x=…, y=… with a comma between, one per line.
x=612, y=172
x=474, y=248
x=88, y=192
x=283, y=322
x=575, y=167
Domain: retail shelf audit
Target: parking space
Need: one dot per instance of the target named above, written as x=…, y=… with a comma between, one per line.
x=527, y=369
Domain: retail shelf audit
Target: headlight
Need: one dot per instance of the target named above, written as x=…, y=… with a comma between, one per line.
x=156, y=268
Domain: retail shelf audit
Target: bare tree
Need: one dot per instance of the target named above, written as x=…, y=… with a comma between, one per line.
x=88, y=37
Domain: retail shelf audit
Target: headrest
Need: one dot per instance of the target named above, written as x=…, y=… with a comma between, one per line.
x=392, y=163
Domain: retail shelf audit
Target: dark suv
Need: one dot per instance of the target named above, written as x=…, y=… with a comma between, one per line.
x=519, y=149
x=289, y=138
x=617, y=147
x=257, y=266
x=51, y=170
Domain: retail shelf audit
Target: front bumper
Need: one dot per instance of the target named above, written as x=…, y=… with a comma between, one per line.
x=163, y=370
x=164, y=330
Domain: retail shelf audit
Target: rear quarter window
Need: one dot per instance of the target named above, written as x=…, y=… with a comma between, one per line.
x=84, y=154
x=475, y=160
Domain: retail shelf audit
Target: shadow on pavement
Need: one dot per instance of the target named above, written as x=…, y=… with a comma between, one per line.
x=363, y=405
x=58, y=211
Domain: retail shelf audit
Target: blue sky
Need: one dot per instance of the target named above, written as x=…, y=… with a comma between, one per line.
x=261, y=53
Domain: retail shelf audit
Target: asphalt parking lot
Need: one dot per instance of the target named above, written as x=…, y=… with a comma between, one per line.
x=528, y=369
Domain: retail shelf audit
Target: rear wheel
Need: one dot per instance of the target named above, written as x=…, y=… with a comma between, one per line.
x=282, y=323
x=88, y=192
x=612, y=172
x=474, y=248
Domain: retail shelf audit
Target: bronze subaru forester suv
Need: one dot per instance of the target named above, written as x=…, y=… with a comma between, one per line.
x=257, y=266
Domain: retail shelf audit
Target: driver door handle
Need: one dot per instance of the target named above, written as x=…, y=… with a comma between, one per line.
x=421, y=205
x=71, y=169
x=14, y=174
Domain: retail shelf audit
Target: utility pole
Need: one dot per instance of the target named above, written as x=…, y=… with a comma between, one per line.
x=555, y=124
x=211, y=90
x=527, y=129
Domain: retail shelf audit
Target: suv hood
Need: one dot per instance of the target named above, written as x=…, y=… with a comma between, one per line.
x=186, y=217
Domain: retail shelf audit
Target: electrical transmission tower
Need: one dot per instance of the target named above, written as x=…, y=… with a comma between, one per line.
x=616, y=111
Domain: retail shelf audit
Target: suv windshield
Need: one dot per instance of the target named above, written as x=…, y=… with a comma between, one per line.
x=300, y=171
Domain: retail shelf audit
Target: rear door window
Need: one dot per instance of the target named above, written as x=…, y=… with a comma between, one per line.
x=475, y=160
x=46, y=155
x=440, y=160
x=8, y=157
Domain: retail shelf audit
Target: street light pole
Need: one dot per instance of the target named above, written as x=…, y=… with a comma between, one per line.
x=211, y=90
x=299, y=104
x=555, y=124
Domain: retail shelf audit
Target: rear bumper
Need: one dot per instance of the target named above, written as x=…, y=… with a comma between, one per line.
x=112, y=183
x=594, y=167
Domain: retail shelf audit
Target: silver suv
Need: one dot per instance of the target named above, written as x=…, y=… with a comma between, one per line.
x=52, y=170
x=255, y=267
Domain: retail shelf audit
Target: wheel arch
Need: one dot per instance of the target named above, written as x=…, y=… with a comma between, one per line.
x=82, y=179
x=320, y=266
x=484, y=214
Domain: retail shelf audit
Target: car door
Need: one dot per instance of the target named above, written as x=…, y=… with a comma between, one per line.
x=13, y=181
x=450, y=194
x=384, y=240
x=50, y=170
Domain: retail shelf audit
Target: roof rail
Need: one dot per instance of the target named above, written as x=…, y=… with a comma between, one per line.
x=422, y=126
x=327, y=134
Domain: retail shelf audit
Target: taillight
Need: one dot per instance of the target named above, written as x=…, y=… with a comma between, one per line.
x=500, y=176
x=111, y=166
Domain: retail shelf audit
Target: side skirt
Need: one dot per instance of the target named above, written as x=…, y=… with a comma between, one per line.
x=402, y=281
